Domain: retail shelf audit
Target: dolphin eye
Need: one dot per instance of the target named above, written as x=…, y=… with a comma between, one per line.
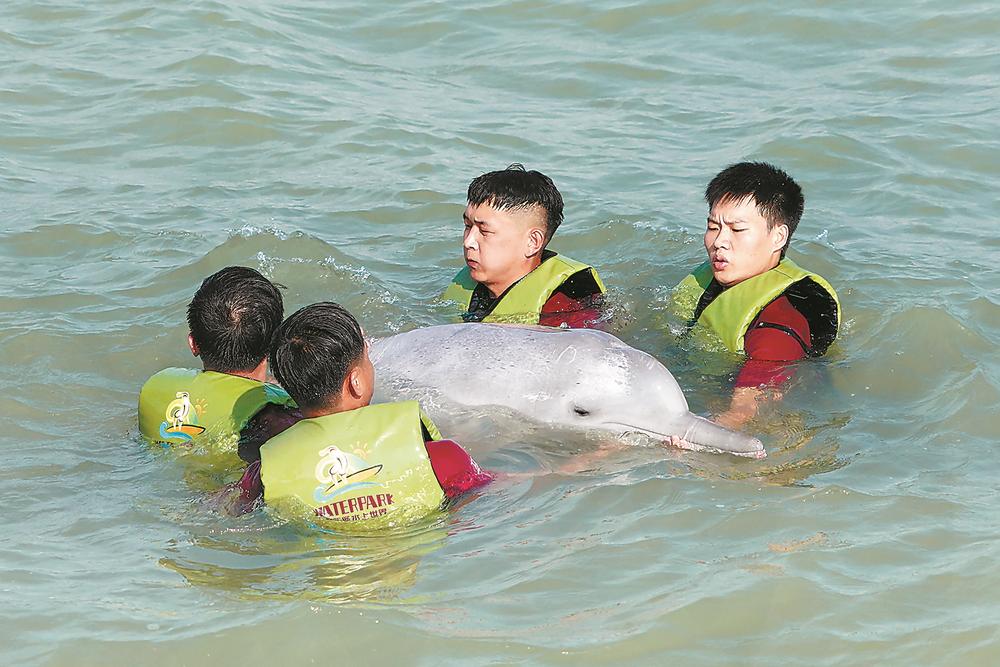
x=580, y=411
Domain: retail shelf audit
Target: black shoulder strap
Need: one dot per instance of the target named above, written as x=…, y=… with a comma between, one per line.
x=579, y=286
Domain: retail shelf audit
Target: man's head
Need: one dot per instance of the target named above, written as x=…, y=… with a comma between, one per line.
x=232, y=318
x=754, y=209
x=511, y=216
x=320, y=357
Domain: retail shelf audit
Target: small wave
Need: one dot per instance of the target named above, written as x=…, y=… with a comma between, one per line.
x=250, y=230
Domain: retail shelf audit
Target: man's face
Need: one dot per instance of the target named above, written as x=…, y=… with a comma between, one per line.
x=498, y=245
x=738, y=242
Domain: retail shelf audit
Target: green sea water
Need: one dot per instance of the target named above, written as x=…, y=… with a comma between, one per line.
x=144, y=146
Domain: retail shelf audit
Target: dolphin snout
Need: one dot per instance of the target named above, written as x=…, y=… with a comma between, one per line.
x=705, y=434
x=698, y=434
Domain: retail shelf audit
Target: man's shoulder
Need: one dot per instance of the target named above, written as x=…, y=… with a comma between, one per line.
x=575, y=303
x=783, y=311
x=580, y=285
x=779, y=333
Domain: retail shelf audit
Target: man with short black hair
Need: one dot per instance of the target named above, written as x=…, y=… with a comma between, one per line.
x=347, y=460
x=510, y=275
x=231, y=320
x=748, y=295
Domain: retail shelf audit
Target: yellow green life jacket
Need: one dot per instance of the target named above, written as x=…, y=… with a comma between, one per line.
x=367, y=466
x=523, y=301
x=732, y=312
x=180, y=405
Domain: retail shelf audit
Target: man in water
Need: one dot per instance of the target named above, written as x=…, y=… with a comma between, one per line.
x=510, y=275
x=748, y=294
x=231, y=320
x=347, y=460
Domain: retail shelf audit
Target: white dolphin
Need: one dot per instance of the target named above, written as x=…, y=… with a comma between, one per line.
x=579, y=378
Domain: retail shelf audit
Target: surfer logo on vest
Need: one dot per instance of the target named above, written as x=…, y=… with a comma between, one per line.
x=338, y=473
x=181, y=423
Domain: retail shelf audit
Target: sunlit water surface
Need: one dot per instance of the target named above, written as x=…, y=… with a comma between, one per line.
x=329, y=145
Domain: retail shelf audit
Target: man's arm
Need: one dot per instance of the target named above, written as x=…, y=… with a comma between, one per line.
x=456, y=471
x=239, y=497
x=269, y=422
x=744, y=406
x=779, y=336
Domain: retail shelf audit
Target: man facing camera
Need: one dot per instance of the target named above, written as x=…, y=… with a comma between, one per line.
x=510, y=274
x=748, y=294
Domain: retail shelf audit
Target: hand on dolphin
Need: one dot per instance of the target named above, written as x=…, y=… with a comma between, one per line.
x=577, y=378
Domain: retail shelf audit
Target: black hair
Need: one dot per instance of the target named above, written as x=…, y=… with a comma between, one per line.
x=777, y=196
x=514, y=188
x=312, y=352
x=232, y=318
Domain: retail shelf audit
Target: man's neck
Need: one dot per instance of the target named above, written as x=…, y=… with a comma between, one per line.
x=498, y=288
x=259, y=373
x=336, y=408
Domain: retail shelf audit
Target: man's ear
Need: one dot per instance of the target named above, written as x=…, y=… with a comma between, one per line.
x=353, y=384
x=193, y=345
x=536, y=241
x=779, y=237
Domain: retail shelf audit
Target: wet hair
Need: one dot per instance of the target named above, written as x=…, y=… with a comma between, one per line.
x=232, y=318
x=777, y=196
x=515, y=189
x=313, y=351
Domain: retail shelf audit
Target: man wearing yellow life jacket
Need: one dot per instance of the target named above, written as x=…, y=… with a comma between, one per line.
x=348, y=461
x=510, y=275
x=748, y=296
x=231, y=320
